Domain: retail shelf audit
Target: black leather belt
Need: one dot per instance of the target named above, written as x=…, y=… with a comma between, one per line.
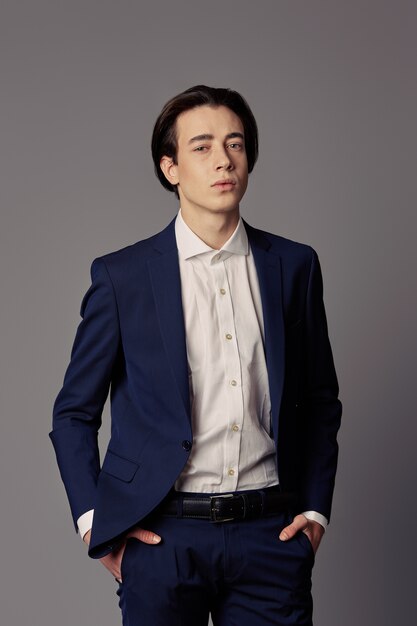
x=228, y=506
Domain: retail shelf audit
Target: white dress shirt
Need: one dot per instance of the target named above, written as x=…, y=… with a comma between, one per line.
x=228, y=379
x=229, y=392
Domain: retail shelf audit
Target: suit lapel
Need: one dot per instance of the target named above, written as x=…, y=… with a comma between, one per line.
x=166, y=284
x=268, y=267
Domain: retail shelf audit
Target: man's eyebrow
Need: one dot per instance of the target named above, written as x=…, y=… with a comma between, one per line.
x=235, y=136
x=204, y=137
x=208, y=137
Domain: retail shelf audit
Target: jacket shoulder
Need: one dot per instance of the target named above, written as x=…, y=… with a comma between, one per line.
x=136, y=254
x=283, y=246
x=123, y=255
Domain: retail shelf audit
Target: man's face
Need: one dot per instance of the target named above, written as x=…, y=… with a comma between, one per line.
x=212, y=167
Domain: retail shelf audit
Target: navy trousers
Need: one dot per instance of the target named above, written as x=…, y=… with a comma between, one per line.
x=240, y=572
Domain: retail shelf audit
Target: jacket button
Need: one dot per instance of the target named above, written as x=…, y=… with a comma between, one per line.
x=186, y=444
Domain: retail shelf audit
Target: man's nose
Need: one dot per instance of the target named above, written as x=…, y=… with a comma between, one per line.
x=223, y=160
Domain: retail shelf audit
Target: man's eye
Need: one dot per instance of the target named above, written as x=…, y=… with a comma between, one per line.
x=235, y=146
x=200, y=148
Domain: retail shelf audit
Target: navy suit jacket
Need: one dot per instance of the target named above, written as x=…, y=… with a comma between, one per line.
x=131, y=340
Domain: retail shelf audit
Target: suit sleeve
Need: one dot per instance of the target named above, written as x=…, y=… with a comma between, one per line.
x=78, y=407
x=320, y=407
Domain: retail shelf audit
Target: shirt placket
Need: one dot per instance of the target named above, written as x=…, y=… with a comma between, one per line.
x=232, y=374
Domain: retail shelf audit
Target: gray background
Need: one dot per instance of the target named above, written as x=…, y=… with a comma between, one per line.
x=333, y=86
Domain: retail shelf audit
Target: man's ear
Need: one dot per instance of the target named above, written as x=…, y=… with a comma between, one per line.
x=169, y=169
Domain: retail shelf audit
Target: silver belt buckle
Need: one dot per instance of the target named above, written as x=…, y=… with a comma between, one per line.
x=213, y=515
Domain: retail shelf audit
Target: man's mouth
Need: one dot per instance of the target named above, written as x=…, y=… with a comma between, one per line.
x=225, y=183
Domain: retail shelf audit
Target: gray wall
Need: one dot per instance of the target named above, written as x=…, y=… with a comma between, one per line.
x=333, y=87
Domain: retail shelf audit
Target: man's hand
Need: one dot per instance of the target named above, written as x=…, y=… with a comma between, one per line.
x=113, y=560
x=300, y=523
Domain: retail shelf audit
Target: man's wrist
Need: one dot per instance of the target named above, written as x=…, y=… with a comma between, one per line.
x=86, y=537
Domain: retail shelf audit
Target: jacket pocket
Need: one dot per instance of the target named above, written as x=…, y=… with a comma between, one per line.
x=119, y=467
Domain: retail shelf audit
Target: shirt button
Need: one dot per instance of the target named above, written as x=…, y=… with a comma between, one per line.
x=231, y=472
x=186, y=444
x=222, y=291
x=233, y=383
x=235, y=427
x=229, y=336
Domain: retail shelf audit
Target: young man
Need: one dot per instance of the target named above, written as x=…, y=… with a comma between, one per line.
x=217, y=483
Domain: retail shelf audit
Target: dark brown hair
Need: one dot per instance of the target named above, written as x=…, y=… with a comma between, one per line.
x=164, y=138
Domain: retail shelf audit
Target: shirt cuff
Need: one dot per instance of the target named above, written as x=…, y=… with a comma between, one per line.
x=85, y=523
x=316, y=517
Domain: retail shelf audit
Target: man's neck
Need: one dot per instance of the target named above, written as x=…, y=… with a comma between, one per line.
x=213, y=228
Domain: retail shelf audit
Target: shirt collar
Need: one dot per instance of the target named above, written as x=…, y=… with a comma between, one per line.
x=189, y=244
